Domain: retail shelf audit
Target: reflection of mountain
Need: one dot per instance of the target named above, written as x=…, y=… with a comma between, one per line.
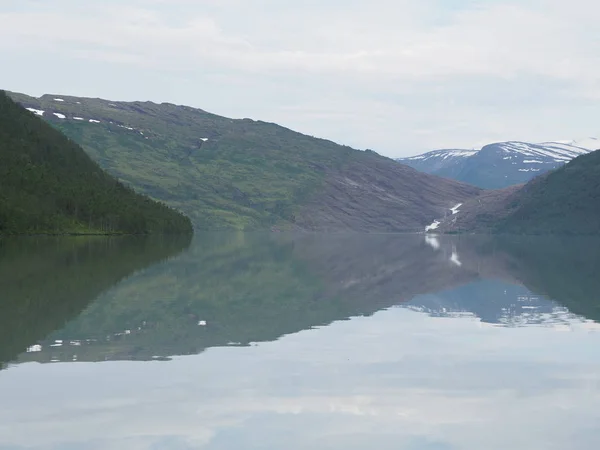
x=562, y=268
x=49, y=281
x=252, y=287
x=491, y=301
x=561, y=273
x=235, y=289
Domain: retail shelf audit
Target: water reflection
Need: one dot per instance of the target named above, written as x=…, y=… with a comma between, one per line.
x=304, y=341
x=236, y=289
x=48, y=281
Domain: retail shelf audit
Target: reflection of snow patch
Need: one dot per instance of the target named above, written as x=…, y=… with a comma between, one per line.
x=454, y=258
x=433, y=242
x=78, y=118
x=204, y=139
x=433, y=226
x=94, y=121
x=34, y=348
x=60, y=116
x=202, y=323
x=37, y=112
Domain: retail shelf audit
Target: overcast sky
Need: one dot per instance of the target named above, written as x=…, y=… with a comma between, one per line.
x=398, y=76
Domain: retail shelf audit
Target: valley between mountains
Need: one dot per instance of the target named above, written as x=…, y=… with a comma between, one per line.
x=251, y=175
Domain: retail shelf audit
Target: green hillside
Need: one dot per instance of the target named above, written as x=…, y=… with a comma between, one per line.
x=244, y=174
x=566, y=201
x=48, y=184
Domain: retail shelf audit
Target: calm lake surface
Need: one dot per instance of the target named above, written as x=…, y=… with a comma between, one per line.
x=276, y=341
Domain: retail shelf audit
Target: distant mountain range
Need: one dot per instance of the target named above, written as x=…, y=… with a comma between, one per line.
x=500, y=164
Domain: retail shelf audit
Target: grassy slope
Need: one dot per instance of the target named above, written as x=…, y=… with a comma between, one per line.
x=247, y=174
x=48, y=184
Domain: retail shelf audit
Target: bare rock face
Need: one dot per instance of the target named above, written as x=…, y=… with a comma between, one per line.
x=371, y=195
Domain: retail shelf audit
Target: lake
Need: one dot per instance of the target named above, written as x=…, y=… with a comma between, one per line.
x=282, y=341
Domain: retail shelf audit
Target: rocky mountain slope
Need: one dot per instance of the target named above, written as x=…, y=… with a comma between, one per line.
x=565, y=201
x=246, y=174
x=500, y=164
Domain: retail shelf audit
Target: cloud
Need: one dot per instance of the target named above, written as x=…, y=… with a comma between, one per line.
x=349, y=62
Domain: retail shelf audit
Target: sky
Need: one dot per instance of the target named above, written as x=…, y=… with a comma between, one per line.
x=397, y=76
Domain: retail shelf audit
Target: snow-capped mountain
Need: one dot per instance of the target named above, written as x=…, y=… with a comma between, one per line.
x=500, y=164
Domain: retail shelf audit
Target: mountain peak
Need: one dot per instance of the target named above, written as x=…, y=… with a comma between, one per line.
x=500, y=164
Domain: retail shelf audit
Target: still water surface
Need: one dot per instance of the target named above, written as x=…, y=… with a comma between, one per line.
x=275, y=341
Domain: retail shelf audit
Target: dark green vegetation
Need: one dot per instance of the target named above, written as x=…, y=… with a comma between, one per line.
x=566, y=201
x=48, y=281
x=48, y=184
x=563, y=202
x=245, y=174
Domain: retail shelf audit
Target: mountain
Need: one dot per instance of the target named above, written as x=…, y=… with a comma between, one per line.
x=246, y=174
x=501, y=164
x=48, y=184
x=565, y=201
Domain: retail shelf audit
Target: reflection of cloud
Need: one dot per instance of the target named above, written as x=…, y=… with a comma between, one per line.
x=397, y=377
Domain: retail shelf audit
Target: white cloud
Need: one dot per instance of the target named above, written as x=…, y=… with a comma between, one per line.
x=396, y=76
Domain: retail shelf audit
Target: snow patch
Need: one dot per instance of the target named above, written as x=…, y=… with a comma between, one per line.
x=433, y=226
x=37, y=112
x=60, y=116
x=532, y=161
x=204, y=139
x=78, y=118
x=94, y=121
x=58, y=100
x=34, y=348
x=202, y=323
x=455, y=209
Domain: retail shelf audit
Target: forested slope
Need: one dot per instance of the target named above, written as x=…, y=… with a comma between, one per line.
x=48, y=184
